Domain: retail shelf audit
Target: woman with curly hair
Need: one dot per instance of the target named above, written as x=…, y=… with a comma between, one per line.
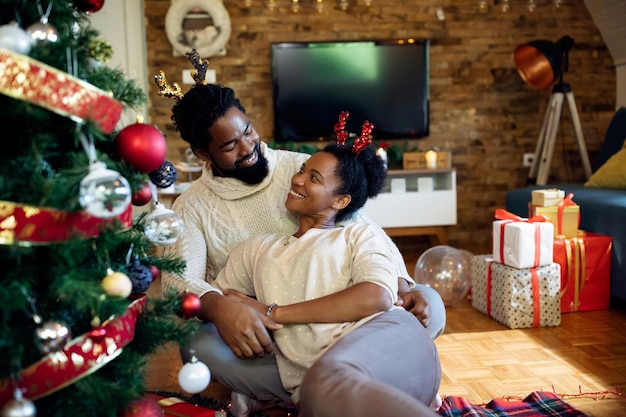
x=321, y=283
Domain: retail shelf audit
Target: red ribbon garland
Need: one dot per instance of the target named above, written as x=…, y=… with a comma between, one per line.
x=80, y=357
x=24, y=78
x=24, y=224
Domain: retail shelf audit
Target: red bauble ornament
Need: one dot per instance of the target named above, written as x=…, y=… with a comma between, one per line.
x=142, y=146
x=143, y=407
x=98, y=334
x=189, y=305
x=142, y=196
x=90, y=6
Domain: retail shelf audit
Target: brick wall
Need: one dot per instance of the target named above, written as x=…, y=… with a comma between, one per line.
x=481, y=110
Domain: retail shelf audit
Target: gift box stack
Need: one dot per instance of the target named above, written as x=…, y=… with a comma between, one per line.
x=585, y=258
x=518, y=284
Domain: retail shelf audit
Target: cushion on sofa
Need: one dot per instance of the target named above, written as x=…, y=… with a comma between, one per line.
x=612, y=174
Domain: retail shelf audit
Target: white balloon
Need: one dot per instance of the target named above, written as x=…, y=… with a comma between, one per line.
x=194, y=376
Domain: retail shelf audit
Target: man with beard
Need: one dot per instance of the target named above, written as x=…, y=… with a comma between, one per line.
x=240, y=194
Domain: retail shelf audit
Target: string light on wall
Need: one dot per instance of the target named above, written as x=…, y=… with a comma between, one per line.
x=506, y=6
x=298, y=6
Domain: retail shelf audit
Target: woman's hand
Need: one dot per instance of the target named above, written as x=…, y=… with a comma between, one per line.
x=416, y=303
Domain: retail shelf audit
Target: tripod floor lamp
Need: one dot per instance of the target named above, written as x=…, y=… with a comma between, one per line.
x=541, y=63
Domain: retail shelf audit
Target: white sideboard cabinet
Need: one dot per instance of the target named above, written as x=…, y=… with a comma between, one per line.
x=416, y=202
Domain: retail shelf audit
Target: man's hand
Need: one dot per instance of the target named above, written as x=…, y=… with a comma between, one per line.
x=416, y=303
x=241, y=322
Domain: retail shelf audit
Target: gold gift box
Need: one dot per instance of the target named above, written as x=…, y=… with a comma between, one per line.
x=568, y=225
x=548, y=197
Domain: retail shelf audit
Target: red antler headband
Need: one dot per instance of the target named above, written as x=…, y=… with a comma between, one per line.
x=361, y=142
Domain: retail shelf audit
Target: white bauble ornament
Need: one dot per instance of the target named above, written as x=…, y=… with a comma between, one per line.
x=194, y=376
x=103, y=192
x=163, y=226
x=14, y=38
x=19, y=407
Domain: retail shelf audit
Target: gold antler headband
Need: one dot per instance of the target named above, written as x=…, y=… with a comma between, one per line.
x=174, y=91
x=165, y=90
x=360, y=143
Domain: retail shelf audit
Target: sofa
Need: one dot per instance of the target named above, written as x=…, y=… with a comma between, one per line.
x=602, y=201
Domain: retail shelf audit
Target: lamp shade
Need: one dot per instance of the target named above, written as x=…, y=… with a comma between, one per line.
x=540, y=63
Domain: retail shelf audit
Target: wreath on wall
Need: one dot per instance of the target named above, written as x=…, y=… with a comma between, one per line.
x=209, y=41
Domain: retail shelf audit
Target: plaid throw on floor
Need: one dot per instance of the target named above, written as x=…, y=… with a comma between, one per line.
x=538, y=403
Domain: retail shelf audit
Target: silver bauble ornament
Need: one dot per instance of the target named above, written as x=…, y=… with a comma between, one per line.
x=14, y=38
x=52, y=336
x=103, y=192
x=163, y=226
x=42, y=32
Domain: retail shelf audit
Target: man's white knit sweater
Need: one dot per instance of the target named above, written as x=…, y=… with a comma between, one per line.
x=218, y=213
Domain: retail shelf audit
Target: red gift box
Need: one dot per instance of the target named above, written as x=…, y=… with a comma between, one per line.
x=175, y=407
x=585, y=271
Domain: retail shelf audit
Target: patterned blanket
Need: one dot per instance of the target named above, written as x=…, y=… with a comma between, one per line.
x=537, y=404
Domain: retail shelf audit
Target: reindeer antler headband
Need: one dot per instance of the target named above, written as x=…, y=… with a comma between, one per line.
x=360, y=143
x=199, y=76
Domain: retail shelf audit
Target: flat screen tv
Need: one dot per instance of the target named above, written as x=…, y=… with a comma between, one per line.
x=385, y=82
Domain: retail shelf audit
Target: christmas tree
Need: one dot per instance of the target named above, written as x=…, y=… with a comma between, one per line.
x=76, y=327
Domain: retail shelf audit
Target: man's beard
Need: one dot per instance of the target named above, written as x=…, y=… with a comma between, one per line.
x=249, y=175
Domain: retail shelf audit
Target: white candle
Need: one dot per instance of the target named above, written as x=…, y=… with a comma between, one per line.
x=431, y=159
x=382, y=153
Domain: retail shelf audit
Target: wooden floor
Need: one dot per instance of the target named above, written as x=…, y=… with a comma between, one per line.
x=482, y=359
